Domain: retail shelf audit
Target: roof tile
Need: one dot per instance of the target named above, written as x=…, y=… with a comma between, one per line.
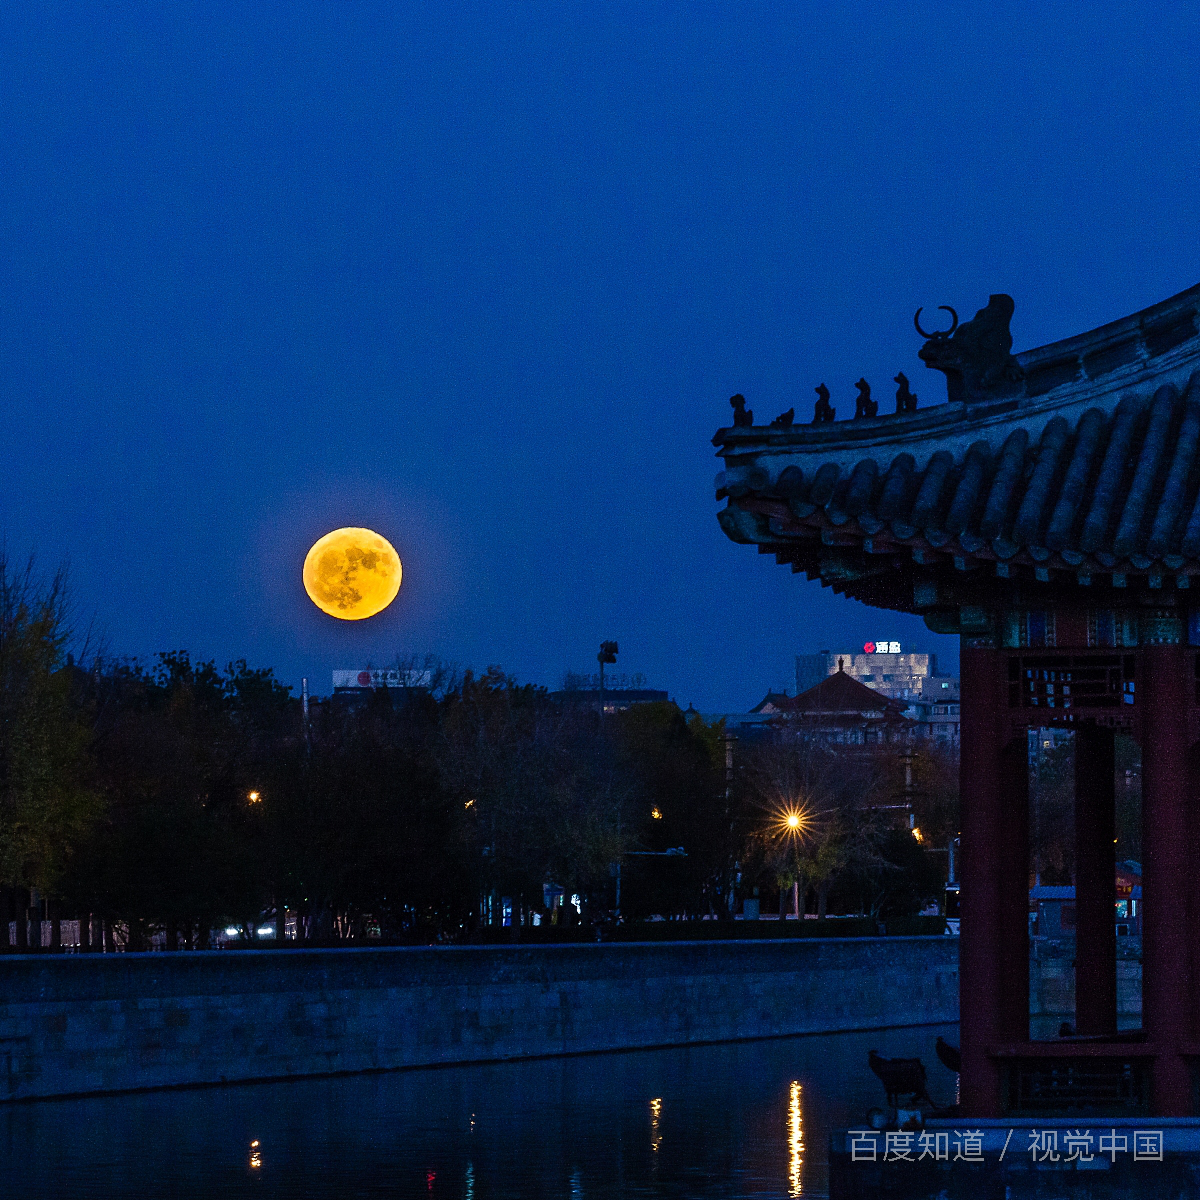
x=1118, y=487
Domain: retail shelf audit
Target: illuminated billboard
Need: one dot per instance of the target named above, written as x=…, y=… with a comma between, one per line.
x=372, y=678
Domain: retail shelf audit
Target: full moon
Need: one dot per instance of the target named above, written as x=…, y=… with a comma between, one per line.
x=352, y=574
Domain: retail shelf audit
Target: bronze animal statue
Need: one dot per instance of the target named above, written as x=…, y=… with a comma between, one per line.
x=784, y=419
x=975, y=357
x=900, y=1077
x=864, y=406
x=741, y=414
x=906, y=399
x=824, y=411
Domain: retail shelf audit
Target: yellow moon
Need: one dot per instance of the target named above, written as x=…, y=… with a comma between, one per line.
x=352, y=574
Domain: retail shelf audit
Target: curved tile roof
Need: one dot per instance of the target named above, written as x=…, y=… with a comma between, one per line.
x=1098, y=485
x=1119, y=489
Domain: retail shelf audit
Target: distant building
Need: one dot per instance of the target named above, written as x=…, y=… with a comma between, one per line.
x=1129, y=898
x=1052, y=909
x=882, y=666
x=746, y=727
x=938, y=689
x=839, y=710
x=1042, y=744
x=760, y=724
x=936, y=709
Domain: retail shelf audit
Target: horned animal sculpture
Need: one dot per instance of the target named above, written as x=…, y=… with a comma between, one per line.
x=975, y=357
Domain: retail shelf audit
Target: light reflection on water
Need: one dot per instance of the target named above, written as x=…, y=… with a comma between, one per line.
x=745, y=1120
x=795, y=1142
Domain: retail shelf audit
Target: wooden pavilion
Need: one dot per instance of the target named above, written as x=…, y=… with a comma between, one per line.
x=1048, y=514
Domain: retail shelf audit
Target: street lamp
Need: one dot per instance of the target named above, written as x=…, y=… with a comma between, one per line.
x=608, y=654
x=794, y=824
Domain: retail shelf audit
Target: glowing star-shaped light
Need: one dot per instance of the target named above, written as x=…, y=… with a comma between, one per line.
x=352, y=574
x=793, y=822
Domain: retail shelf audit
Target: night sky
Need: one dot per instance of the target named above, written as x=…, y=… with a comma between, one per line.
x=483, y=277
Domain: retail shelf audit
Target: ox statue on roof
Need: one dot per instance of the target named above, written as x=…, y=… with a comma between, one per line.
x=975, y=357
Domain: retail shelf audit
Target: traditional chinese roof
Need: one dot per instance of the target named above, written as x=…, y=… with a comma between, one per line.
x=843, y=695
x=840, y=702
x=1073, y=466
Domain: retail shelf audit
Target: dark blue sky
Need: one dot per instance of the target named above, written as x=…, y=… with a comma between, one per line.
x=483, y=277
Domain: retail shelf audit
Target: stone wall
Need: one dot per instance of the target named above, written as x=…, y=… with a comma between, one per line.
x=73, y=1024
x=1052, y=986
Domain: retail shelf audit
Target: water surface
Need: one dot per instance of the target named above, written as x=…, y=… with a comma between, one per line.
x=749, y=1119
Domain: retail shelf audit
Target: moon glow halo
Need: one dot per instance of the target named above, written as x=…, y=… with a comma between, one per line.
x=352, y=573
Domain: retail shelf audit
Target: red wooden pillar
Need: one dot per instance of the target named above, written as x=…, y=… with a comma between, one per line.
x=1095, y=882
x=1012, y=847
x=1193, y=774
x=1162, y=701
x=980, y=974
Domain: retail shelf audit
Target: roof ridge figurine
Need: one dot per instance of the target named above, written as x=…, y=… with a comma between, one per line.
x=906, y=399
x=976, y=357
x=741, y=414
x=864, y=406
x=824, y=411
